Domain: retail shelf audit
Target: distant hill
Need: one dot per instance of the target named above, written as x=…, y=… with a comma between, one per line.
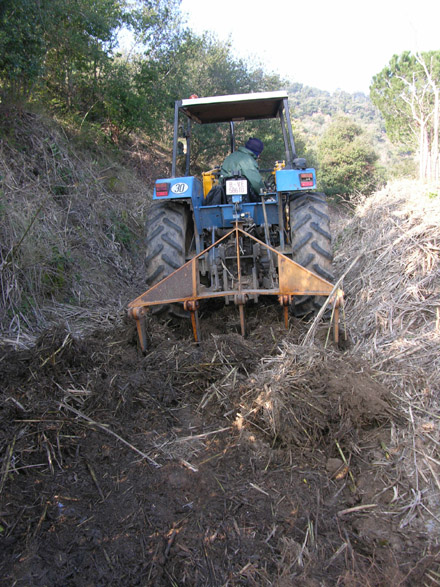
x=307, y=101
x=313, y=110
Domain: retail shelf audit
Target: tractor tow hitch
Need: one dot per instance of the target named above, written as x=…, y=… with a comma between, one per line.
x=185, y=286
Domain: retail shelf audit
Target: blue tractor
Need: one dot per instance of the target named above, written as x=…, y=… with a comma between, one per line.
x=235, y=246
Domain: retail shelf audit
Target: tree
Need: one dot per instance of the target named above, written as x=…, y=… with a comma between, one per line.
x=346, y=159
x=407, y=94
x=53, y=45
x=22, y=47
x=205, y=66
x=62, y=52
x=80, y=36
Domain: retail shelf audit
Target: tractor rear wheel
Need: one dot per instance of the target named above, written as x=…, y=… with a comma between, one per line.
x=311, y=244
x=167, y=230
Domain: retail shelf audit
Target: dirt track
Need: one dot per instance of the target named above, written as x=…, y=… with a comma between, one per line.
x=216, y=498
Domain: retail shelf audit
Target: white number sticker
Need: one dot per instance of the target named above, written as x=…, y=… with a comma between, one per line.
x=179, y=188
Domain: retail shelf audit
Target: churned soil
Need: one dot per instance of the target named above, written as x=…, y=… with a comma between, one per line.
x=228, y=463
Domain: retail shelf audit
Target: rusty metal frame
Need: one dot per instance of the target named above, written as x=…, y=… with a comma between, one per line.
x=183, y=285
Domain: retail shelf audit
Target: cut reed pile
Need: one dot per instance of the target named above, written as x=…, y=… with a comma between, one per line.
x=392, y=315
x=313, y=399
x=393, y=291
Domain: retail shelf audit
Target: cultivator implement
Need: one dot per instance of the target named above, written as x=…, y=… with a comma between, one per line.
x=239, y=260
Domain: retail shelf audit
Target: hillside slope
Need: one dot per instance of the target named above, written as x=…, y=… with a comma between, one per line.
x=72, y=216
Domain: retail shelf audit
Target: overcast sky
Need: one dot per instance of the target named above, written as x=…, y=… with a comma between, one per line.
x=327, y=44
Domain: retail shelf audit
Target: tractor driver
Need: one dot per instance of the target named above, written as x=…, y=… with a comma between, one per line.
x=244, y=161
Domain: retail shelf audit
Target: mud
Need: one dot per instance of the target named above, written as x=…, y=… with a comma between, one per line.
x=164, y=469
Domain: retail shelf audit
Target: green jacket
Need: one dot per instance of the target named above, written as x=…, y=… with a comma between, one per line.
x=245, y=162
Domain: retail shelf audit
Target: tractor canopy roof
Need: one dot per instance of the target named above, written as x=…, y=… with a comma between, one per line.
x=233, y=108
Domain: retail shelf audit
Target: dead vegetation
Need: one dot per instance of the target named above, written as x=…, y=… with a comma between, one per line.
x=71, y=224
x=393, y=292
x=263, y=461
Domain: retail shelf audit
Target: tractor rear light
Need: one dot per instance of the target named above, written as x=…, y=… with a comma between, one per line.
x=306, y=180
x=162, y=189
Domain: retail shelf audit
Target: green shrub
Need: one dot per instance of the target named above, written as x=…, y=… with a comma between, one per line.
x=347, y=161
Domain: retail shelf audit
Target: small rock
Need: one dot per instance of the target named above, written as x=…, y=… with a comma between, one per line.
x=333, y=465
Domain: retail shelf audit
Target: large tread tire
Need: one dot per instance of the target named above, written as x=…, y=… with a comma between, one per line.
x=311, y=244
x=166, y=239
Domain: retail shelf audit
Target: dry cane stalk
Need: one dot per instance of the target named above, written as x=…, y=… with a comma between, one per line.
x=105, y=429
